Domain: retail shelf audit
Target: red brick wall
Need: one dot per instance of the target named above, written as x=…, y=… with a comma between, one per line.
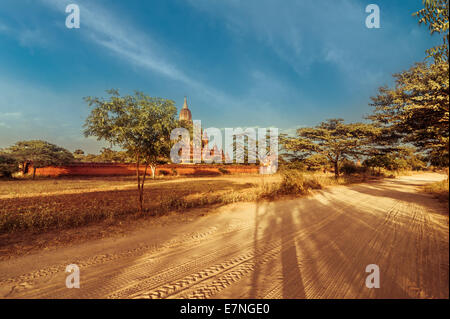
x=102, y=169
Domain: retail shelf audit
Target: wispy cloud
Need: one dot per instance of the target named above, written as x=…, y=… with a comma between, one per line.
x=10, y=115
x=130, y=44
x=294, y=30
x=25, y=36
x=305, y=33
x=137, y=48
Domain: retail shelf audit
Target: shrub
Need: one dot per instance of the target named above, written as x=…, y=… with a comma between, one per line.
x=292, y=182
x=295, y=165
x=349, y=168
x=314, y=182
x=8, y=166
x=438, y=189
x=224, y=171
x=164, y=172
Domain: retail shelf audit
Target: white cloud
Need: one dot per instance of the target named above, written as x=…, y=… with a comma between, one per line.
x=303, y=33
x=5, y=115
x=130, y=44
x=27, y=37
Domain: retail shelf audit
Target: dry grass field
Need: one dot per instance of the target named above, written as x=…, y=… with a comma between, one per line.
x=47, y=204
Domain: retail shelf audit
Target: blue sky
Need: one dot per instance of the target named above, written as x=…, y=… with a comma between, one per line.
x=241, y=63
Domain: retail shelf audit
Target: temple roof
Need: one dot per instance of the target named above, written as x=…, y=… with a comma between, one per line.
x=185, y=113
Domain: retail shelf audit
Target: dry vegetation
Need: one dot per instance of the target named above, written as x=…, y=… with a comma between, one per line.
x=42, y=186
x=439, y=190
x=42, y=205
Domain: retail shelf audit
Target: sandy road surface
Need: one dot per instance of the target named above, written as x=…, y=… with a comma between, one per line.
x=312, y=247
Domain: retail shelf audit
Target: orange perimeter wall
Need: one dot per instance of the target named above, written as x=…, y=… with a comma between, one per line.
x=102, y=169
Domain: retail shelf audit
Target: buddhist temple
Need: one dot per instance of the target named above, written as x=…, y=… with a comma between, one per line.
x=185, y=113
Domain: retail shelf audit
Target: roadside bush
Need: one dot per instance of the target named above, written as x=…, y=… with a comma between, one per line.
x=294, y=165
x=293, y=182
x=164, y=172
x=439, y=189
x=8, y=166
x=314, y=182
x=349, y=168
x=224, y=171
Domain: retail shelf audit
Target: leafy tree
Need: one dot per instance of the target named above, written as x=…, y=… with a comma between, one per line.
x=39, y=154
x=137, y=123
x=316, y=161
x=79, y=155
x=414, y=160
x=334, y=140
x=435, y=16
x=349, y=168
x=416, y=110
x=8, y=165
x=89, y=158
x=108, y=155
x=402, y=159
x=78, y=152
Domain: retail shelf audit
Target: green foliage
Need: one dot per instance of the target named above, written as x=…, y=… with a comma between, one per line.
x=349, y=168
x=316, y=162
x=8, y=165
x=293, y=165
x=435, y=16
x=417, y=109
x=78, y=152
x=137, y=123
x=405, y=158
x=333, y=140
x=39, y=154
x=108, y=155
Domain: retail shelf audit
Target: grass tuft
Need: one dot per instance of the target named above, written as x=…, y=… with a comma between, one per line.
x=439, y=190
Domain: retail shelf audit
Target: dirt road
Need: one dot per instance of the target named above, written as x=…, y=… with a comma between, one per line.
x=311, y=247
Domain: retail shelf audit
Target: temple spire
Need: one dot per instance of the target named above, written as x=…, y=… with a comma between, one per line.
x=185, y=113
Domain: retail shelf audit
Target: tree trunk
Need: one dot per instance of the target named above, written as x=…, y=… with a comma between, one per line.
x=142, y=188
x=25, y=168
x=34, y=172
x=153, y=168
x=336, y=170
x=139, y=184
